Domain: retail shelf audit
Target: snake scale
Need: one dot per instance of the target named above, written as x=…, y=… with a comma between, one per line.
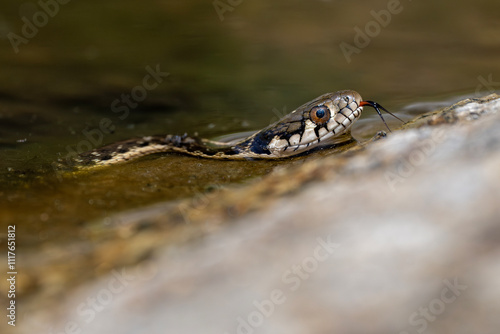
x=324, y=121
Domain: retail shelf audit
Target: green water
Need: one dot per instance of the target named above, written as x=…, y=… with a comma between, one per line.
x=262, y=60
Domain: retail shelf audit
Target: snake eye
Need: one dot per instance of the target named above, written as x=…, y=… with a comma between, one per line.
x=320, y=115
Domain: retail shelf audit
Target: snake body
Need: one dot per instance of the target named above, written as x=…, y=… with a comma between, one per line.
x=324, y=121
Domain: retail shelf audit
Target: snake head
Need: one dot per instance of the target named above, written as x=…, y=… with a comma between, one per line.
x=325, y=120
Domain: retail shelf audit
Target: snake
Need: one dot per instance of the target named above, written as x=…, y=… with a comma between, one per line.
x=322, y=122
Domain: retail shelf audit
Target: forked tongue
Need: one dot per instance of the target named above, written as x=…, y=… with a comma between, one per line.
x=377, y=107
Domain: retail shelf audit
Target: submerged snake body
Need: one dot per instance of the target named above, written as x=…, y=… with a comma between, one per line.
x=324, y=121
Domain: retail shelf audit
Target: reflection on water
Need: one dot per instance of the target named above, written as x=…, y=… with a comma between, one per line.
x=228, y=71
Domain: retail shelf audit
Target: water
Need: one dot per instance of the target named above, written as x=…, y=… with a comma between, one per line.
x=228, y=72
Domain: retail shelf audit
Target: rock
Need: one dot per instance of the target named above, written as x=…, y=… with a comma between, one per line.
x=399, y=236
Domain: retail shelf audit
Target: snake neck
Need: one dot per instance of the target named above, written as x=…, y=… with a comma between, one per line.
x=134, y=148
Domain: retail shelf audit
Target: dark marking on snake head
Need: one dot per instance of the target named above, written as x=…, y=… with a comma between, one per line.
x=260, y=144
x=257, y=144
x=316, y=131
